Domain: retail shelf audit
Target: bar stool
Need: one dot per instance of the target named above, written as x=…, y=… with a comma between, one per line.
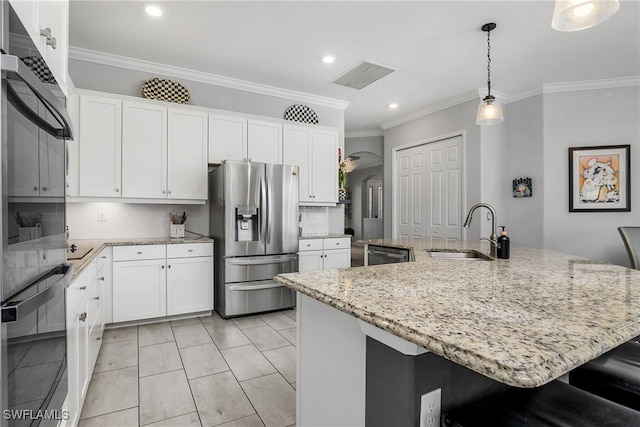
x=554, y=404
x=615, y=375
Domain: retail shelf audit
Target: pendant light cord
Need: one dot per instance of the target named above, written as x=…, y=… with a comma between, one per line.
x=489, y=63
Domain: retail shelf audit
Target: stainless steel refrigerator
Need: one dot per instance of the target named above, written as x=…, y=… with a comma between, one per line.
x=254, y=223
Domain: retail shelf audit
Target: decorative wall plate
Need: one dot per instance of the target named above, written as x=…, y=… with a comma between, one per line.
x=39, y=68
x=301, y=113
x=165, y=90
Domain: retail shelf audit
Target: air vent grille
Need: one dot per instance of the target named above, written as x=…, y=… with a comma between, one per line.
x=362, y=75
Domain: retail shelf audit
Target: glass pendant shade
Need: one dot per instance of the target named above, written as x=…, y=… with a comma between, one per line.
x=575, y=15
x=489, y=112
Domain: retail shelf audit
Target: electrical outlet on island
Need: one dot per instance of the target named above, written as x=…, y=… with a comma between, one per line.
x=430, y=408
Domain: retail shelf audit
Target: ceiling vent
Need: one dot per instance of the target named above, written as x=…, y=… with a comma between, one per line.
x=362, y=75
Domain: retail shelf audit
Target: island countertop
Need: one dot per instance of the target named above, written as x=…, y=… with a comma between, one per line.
x=523, y=321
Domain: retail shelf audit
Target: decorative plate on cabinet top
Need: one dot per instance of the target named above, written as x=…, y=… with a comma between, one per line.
x=301, y=113
x=165, y=90
x=39, y=68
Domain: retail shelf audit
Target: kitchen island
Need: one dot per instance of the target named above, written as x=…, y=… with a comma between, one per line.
x=519, y=322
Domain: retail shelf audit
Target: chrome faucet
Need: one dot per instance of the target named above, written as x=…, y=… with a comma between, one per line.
x=493, y=239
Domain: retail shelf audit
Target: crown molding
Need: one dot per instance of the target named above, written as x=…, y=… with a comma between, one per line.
x=364, y=133
x=442, y=105
x=591, y=84
x=103, y=58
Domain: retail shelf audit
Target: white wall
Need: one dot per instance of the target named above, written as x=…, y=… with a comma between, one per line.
x=460, y=118
x=524, y=149
x=126, y=220
x=355, y=180
x=372, y=144
x=588, y=118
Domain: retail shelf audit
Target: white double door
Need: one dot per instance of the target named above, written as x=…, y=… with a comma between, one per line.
x=428, y=186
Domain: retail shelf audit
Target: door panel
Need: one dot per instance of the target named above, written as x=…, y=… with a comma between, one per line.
x=281, y=231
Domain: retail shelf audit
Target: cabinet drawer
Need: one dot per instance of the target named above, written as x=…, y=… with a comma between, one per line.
x=80, y=287
x=309, y=245
x=102, y=258
x=185, y=250
x=342, y=242
x=138, y=252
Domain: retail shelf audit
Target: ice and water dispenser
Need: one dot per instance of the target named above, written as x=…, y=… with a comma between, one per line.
x=246, y=223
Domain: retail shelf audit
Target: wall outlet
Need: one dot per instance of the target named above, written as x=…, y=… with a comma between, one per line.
x=430, y=408
x=101, y=217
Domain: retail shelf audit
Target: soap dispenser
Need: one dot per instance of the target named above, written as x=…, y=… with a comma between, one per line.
x=503, y=244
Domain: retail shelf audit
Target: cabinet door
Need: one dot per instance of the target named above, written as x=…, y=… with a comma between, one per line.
x=264, y=142
x=54, y=14
x=187, y=158
x=189, y=285
x=324, y=175
x=296, y=151
x=100, y=146
x=337, y=258
x=139, y=290
x=77, y=359
x=227, y=138
x=310, y=261
x=22, y=150
x=144, y=150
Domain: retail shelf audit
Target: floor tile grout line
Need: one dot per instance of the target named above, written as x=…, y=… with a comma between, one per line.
x=106, y=413
x=193, y=398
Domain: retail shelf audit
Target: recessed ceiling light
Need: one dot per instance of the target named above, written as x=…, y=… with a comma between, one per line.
x=328, y=59
x=153, y=9
x=393, y=105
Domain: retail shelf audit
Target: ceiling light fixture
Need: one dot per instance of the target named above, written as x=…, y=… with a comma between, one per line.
x=575, y=15
x=393, y=105
x=328, y=59
x=153, y=9
x=489, y=111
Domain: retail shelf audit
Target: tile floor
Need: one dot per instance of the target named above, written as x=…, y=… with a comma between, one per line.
x=204, y=371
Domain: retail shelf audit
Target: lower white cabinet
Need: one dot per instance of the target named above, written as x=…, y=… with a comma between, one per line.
x=324, y=254
x=152, y=281
x=85, y=324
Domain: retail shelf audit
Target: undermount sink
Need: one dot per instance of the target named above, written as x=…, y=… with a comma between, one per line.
x=463, y=255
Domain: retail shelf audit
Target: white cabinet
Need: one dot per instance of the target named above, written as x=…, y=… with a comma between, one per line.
x=264, y=141
x=315, y=151
x=85, y=324
x=47, y=23
x=100, y=146
x=324, y=254
x=156, y=280
x=144, y=150
x=36, y=159
x=189, y=278
x=187, y=154
x=227, y=138
x=139, y=150
x=241, y=138
x=139, y=282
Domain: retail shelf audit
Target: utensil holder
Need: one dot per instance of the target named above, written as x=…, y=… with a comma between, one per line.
x=29, y=233
x=176, y=231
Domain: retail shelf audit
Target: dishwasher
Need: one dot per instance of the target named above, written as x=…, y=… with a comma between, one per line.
x=375, y=255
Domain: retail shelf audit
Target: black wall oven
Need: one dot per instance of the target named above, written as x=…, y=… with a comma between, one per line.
x=34, y=127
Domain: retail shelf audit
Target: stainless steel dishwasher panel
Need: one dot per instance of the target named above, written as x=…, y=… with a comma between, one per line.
x=385, y=255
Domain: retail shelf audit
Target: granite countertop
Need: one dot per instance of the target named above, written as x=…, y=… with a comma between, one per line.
x=99, y=244
x=523, y=321
x=324, y=236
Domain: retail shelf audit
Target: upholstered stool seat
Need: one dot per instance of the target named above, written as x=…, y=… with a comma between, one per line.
x=615, y=375
x=554, y=404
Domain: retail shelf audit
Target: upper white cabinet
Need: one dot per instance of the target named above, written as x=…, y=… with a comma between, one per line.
x=47, y=22
x=35, y=157
x=240, y=138
x=144, y=150
x=187, y=151
x=100, y=147
x=315, y=151
x=227, y=138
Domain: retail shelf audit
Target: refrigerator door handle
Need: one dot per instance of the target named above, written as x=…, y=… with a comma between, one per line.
x=255, y=287
x=244, y=261
x=264, y=215
x=270, y=196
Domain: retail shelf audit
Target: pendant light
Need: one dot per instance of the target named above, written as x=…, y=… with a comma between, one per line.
x=490, y=110
x=575, y=15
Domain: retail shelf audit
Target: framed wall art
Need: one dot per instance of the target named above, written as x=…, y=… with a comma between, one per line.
x=599, y=179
